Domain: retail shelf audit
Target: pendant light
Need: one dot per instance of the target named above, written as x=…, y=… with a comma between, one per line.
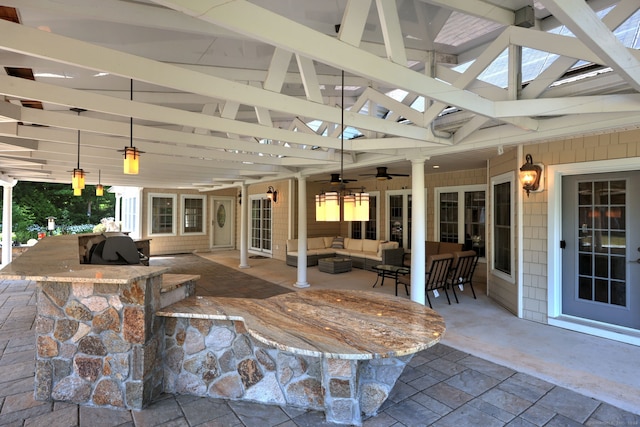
x=77, y=179
x=99, y=187
x=355, y=207
x=131, y=153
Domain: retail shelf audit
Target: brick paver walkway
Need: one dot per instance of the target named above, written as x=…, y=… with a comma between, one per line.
x=441, y=386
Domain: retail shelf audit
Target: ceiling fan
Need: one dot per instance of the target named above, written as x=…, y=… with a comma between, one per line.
x=382, y=174
x=335, y=180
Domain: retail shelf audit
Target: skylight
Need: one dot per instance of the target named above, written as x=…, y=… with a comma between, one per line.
x=535, y=62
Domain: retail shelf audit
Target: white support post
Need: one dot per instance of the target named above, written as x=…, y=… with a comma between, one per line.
x=7, y=222
x=244, y=209
x=418, y=231
x=302, y=233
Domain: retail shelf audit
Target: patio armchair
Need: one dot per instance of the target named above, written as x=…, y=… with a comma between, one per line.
x=438, y=270
x=463, y=266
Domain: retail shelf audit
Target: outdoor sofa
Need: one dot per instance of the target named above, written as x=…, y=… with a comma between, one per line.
x=364, y=253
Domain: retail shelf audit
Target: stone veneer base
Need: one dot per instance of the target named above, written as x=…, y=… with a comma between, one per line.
x=97, y=343
x=218, y=358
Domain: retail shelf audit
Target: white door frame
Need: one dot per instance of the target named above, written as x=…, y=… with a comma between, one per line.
x=554, y=253
x=230, y=218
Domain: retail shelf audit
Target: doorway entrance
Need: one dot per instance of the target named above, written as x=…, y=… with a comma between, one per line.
x=600, y=241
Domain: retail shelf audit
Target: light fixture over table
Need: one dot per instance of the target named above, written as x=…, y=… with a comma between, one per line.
x=355, y=207
x=131, y=153
x=77, y=178
x=99, y=187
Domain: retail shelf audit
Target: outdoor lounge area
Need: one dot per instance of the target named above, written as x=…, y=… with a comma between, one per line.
x=261, y=160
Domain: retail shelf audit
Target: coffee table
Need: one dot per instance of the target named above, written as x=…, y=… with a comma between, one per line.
x=334, y=265
x=391, y=271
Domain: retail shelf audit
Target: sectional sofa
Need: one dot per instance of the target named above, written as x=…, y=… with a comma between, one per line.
x=364, y=253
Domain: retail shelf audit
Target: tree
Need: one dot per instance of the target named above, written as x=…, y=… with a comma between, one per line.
x=33, y=202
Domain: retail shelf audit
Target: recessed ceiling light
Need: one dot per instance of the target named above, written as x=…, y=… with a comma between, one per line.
x=436, y=167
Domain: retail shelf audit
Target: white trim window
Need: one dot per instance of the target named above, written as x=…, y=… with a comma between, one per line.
x=503, y=243
x=162, y=214
x=194, y=212
x=460, y=216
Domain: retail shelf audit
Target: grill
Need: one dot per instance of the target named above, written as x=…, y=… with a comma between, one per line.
x=116, y=250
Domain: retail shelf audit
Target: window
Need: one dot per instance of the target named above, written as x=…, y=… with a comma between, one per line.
x=502, y=222
x=162, y=214
x=460, y=217
x=367, y=229
x=449, y=217
x=193, y=214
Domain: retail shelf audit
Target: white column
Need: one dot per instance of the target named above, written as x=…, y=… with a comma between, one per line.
x=302, y=233
x=418, y=231
x=7, y=222
x=244, y=213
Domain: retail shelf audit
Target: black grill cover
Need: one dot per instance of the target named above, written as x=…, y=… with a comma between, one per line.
x=120, y=250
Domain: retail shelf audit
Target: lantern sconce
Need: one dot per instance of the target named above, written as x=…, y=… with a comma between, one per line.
x=531, y=176
x=272, y=194
x=51, y=224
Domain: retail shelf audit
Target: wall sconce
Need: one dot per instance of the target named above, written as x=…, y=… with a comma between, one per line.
x=272, y=194
x=530, y=175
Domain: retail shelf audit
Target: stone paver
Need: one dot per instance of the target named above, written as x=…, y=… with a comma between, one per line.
x=440, y=387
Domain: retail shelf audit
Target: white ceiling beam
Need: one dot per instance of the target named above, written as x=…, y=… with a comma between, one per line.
x=391, y=31
x=148, y=133
x=353, y=22
x=626, y=103
x=309, y=79
x=29, y=89
x=277, y=73
x=30, y=41
x=585, y=24
x=479, y=9
x=543, y=81
x=241, y=15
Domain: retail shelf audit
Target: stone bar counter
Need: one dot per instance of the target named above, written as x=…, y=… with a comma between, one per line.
x=337, y=351
x=96, y=340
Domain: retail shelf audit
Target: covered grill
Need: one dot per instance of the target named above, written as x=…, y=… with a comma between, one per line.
x=117, y=250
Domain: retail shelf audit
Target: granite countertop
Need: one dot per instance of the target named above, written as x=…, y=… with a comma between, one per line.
x=57, y=259
x=337, y=324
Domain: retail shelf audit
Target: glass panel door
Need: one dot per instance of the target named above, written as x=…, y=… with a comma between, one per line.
x=260, y=233
x=399, y=217
x=600, y=227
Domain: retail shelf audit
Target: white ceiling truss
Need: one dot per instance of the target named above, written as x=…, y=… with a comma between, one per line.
x=230, y=91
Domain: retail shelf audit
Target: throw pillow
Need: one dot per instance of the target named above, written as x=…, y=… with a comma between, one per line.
x=338, y=243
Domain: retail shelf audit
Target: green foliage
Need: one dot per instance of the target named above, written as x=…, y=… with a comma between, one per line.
x=33, y=202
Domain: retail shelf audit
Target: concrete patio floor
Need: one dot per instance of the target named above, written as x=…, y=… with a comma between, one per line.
x=491, y=368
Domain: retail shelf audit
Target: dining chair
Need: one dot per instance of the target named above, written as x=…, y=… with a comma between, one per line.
x=462, y=269
x=438, y=267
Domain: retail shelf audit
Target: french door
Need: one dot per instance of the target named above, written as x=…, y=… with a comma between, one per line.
x=261, y=223
x=601, y=239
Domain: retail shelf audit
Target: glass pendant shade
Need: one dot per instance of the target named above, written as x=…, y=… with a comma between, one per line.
x=77, y=179
x=320, y=207
x=361, y=207
x=77, y=191
x=348, y=207
x=332, y=206
x=99, y=190
x=131, y=160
